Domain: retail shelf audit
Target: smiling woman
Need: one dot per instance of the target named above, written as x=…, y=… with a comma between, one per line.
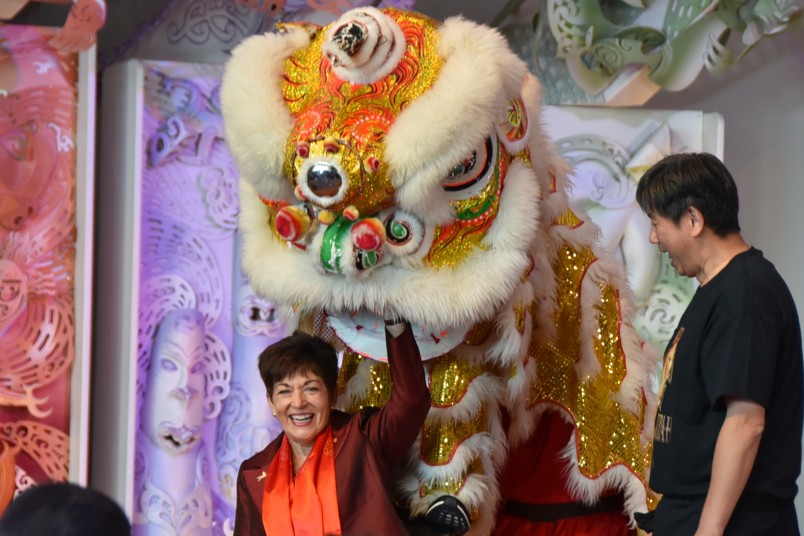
x=300, y=373
x=329, y=472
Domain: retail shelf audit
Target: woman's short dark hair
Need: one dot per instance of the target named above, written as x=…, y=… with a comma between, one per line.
x=65, y=509
x=700, y=180
x=299, y=353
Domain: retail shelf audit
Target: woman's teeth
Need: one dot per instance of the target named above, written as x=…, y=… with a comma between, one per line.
x=301, y=419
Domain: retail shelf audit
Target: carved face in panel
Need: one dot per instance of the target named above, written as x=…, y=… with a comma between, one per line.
x=173, y=411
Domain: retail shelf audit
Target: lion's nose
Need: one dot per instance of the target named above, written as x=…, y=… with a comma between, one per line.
x=324, y=180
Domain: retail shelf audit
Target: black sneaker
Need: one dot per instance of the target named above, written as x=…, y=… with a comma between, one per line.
x=448, y=514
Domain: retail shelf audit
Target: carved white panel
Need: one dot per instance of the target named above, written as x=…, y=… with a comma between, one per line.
x=609, y=150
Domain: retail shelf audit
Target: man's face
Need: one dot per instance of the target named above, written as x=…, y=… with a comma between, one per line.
x=675, y=239
x=174, y=400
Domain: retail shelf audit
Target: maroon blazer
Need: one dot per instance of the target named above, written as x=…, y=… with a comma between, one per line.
x=368, y=447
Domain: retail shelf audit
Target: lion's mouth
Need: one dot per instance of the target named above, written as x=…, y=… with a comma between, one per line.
x=364, y=333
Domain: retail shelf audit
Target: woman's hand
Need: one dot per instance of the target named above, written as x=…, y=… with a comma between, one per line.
x=395, y=326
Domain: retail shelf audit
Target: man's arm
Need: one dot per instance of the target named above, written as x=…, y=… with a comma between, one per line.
x=735, y=452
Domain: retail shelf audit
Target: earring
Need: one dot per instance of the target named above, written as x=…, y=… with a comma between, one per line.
x=274, y=414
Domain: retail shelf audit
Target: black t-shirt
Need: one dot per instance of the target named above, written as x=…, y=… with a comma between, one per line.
x=739, y=337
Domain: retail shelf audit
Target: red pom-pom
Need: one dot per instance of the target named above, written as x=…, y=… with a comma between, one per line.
x=292, y=223
x=351, y=213
x=368, y=234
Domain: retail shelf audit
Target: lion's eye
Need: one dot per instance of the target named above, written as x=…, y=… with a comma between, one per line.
x=471, y=170
x=404, y=233
x=464, y=167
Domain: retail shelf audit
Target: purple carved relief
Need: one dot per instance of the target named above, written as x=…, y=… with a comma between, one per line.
x=184, y=358
x=199, y=327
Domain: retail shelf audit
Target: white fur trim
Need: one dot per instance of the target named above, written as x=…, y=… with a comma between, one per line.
x=257, y=123
x=589, y=490
x=447, y=297
x=587, y=363
x=481, y=391
x=511, y=346
x=518, y=215
x=381, y=53
x=479, y=75
x=477, y=446
x=476, y=489
x=522, y=424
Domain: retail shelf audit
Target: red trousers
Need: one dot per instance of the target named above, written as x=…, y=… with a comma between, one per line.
x=534, y=475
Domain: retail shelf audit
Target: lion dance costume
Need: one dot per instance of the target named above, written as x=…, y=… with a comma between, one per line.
x=392, y=166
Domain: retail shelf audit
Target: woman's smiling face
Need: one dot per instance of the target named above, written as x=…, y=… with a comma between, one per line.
x=302, y=405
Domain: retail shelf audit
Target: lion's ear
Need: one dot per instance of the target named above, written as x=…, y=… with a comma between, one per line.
x=513, y=126
x=452, y=118
x=256, y=120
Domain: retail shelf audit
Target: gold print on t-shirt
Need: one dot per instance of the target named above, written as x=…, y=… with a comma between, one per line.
x=667, y=367
x=663, y=425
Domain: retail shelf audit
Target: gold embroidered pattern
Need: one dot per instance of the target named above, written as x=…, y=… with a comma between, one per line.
x=608, y=434
x=441, y=439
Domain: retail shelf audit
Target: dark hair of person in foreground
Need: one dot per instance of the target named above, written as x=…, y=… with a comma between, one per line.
x=63, y=509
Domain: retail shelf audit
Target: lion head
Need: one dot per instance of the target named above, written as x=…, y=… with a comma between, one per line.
x=389, y=167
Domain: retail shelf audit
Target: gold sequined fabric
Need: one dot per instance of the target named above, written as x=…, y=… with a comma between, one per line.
x=379, y=381
x=440, y=439
x=607, y=433
x=450, y=378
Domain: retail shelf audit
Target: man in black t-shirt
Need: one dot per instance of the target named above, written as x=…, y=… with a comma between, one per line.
x=727, y=438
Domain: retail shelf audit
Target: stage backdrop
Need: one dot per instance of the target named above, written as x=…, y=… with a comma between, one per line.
x=179, y=403
x=46, y=222
x=179, y=327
